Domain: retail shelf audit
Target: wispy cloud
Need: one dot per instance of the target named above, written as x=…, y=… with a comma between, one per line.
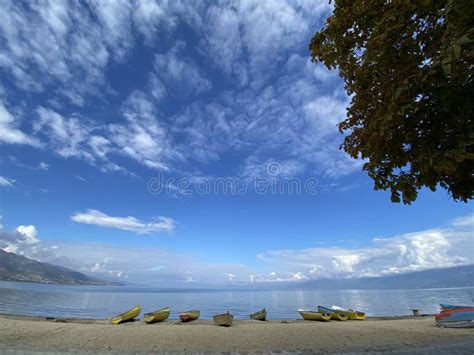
x=40, y=166
x=66, y=34
x=243, y=84
x=5, y=181
x=80, y=178
x=97, y=218
x=10, y=133
x=179, y=74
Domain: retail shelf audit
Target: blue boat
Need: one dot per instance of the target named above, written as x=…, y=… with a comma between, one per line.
x=445, y=306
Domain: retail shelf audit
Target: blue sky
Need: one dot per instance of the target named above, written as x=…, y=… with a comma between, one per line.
x=104, y=103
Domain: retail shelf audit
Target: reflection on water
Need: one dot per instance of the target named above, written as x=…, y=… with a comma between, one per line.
x=102, y=302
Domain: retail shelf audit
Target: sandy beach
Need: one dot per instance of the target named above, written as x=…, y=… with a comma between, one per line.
x=397, y=335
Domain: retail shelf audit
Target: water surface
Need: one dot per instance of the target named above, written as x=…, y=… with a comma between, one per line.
x=103, y=302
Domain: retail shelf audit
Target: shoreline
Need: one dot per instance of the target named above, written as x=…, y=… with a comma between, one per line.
x=35, y=318
x=26, y=333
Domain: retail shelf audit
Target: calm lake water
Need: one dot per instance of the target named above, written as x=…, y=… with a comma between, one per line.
x=102, y=302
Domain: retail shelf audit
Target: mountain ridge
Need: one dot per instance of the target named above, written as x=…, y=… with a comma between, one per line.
x=19, y=268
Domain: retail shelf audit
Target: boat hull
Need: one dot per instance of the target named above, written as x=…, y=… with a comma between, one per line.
x=132, y=313
x=339, y=316
x=314, y=316
x=336, y=315
x=462, y=324
x=260, y=315
x=157, y=316
x=356, y=315
x=223, y=320
x=189, y=316
x=456, y=315
x=353, y=315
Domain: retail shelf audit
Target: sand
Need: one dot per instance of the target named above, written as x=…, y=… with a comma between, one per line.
x=403, y=335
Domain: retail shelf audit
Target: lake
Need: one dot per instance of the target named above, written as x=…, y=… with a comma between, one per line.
x=102, y=302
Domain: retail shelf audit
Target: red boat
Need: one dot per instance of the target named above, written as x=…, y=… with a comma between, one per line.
x=456, y=318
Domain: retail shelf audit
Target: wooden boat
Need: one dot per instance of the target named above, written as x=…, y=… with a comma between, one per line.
x=128, y=315
x=354, y=315
x=455, y=315
x=334, y=315
x=259, y=315
x=157, y=316
x=312, y=315
x=188, y=316
x=461, y=324
x=224, y=319
x=447, y=307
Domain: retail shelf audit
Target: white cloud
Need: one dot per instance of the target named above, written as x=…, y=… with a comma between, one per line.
x=5, y=181
x=140, y=136
x=80, y=178
x=143, y=137
x=179, y=74
x=68, y=35
x=94, y=217
x=288, y=112
x=67, y=135
x=434, y=248
x=23, y=239
x=9, y=132
x=135, y=264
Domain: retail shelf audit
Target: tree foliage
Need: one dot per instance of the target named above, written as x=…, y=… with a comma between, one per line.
x=408, y=66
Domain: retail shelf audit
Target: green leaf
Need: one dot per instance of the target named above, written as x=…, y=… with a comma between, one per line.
x=457, y=51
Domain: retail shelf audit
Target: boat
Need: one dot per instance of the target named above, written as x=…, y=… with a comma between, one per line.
x=313, y=315
x=334, y=315
x=224, y=319
x=352, y=314
x=461, y=324
x=259, y=315
x=455, y=315
x=157, y=316
x=127, y=315
x=447, y=307
x=188, y=316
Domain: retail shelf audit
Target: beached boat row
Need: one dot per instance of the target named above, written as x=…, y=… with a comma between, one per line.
x=325, y=314
x=455, y=316
x=226, y=319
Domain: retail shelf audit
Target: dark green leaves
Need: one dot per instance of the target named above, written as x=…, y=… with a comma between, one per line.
x=409, y=66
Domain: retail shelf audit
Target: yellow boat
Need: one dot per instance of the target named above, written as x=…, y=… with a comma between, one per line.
x=336, y=315
x=339, y=316
x=224, y=319
x=354, y=315
x=312, y=315
x=128, y=315
x=157, y=316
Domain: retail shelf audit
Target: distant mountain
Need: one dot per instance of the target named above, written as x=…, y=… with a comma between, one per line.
x=19, y=268
x=459, y=276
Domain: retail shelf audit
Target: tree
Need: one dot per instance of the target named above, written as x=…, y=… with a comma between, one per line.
x=408, y=67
